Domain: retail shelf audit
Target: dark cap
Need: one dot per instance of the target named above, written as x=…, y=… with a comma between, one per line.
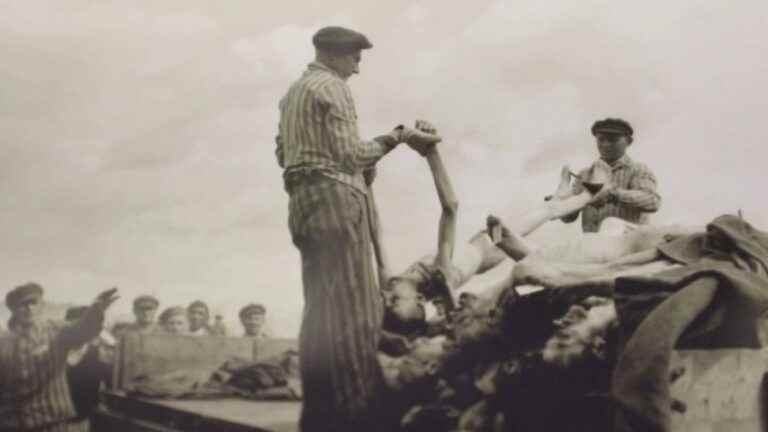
x=252, y=308
x=145, y=301
x=75, y=313
x=612, y=126
x=340, y=40
x=21, y=293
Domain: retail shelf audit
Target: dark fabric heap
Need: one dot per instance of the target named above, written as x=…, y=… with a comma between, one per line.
x=713, y=301
x=274, y=378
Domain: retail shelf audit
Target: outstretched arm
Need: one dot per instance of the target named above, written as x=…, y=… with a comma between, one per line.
x=446, y=237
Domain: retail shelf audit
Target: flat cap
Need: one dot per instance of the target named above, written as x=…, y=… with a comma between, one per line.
x=252, y=308
x=145, y=301
x=21, y=293
x=340, y=40
x=612, y=126
x=75, y=312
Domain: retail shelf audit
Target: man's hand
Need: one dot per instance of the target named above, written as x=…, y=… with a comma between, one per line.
x=422, y=139
x=605, y=195
x=105, y=299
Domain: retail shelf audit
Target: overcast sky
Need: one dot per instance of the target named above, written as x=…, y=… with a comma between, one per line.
x=137, y=138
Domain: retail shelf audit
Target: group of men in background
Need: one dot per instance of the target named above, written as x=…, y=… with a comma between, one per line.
x=51, y=372
x=193, y=320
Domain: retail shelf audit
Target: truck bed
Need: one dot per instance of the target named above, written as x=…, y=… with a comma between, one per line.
x=122, y=413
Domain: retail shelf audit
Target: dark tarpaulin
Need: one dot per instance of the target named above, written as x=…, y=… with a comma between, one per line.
x=713, y=301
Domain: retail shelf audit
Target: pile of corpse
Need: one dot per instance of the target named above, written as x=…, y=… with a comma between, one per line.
x=579, y=333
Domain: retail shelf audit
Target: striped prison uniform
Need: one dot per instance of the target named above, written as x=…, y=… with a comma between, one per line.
x=34, y=392
x=635, y=196
x=330, y=217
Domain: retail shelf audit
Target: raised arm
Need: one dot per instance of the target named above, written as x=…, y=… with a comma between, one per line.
x=446, y=237
x=90, y=325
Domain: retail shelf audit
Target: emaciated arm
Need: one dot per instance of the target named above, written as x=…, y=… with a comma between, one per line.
x=446, y=237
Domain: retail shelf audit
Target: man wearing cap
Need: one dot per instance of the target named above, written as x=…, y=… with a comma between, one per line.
x=631, y=194
x=198, y=316
x=144, y=309
x=328, y=168
x=34, y=393
x=253, y=317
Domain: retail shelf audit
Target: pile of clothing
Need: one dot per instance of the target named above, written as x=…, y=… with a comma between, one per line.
x=276, y=378
x=544, y=362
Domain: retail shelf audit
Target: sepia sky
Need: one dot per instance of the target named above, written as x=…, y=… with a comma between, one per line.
x=137, y=138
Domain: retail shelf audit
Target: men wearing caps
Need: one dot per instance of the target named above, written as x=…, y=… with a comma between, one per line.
x=144, y=309
x=34, y=392
x=328, y=168
x=631, y=194
x=253, y=316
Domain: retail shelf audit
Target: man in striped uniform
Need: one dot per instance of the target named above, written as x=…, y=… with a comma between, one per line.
x=330, y=217
x=632, y=193
x=34, y=392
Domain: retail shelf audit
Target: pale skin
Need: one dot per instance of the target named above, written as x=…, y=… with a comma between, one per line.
x=176, y=324
x=253, y=323
x=198, y=318
x=480, y=254
x=145, y=316
x=628, y=251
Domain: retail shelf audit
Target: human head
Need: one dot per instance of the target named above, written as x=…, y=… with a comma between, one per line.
x=581, y=336
x=613, y=137
x=340, y=49
x=174, y=320
x=253, y=316
x=25, y=303
x=404, y=305
x=467, y=300
x=198, y=315
x=145, y=309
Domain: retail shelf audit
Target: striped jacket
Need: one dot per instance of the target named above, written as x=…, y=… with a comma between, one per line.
x=34, y=392
x=635, y=196
x=318, y=129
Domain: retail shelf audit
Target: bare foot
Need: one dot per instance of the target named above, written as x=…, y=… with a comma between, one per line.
x=512, y=244
x=598, y=177
x=600, y=173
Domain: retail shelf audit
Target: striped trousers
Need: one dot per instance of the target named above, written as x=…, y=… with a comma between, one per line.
x=341, y=376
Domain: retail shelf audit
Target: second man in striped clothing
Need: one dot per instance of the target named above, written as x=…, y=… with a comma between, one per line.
x=631, y=194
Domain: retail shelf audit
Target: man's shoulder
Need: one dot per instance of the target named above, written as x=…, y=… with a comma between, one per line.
x=317, y=81
x=637, y=165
